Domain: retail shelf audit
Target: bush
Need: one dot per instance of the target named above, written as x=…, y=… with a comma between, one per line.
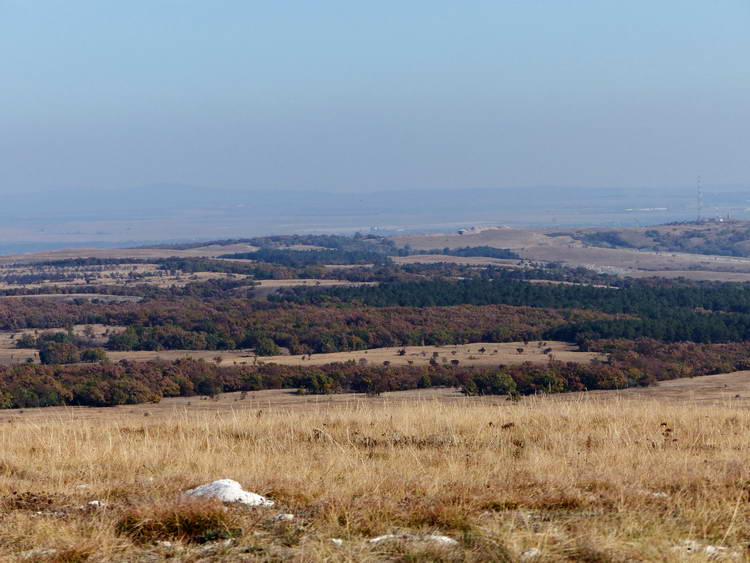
x=52, y=352
x=94, y=355
x=27, y=340
x=491, y=383
x=266, y=347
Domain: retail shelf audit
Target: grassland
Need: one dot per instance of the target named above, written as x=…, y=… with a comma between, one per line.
x=543, y=246
x=124, y=253
x=602, y=477
x=476, y=354
x=658, y=473
x=444, y=258
x=121, y=275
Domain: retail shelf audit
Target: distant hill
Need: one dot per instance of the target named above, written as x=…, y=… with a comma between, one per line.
x=171, y=212
x=719, y=237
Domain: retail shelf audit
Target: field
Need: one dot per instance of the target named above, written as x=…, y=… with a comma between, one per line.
x=542, y=246
x=638, y=470
x=121, y=275
x=476, y=354
x=124, y=253
x=613, y=476
x=467, y=354
x=267, y=287
x=468, y=260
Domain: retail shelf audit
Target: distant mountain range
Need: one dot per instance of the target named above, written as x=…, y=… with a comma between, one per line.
x=171, y=212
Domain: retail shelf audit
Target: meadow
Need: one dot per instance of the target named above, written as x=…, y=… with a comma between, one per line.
x=630, y=460
x=586, y=477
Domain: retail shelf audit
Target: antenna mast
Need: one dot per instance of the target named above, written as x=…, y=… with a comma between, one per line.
x=700, y=200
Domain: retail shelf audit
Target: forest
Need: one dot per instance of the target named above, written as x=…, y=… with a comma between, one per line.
x=629, y=364
x=649, y=329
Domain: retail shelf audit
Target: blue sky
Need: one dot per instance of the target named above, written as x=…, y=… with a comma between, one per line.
x=362, y=96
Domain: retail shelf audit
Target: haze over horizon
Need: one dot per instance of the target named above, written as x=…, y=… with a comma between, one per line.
x=343, y=97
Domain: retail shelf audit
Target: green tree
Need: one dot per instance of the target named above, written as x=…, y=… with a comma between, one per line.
x=59, y=353
x=93, y=355
x=266, y=347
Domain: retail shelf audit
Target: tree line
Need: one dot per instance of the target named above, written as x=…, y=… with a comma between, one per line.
x=630, y=363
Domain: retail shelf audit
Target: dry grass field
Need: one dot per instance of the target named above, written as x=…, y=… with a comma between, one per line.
x=209, y=251
x=446, y=259
x=9, y=354
x=124, y=275
x=536, y=246
x=569, y=478
x=476, y=354
x=268, y=287
x=466, y=354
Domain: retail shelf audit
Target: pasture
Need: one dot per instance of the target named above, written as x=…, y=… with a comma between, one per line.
x=476, y=354
x=611, y=476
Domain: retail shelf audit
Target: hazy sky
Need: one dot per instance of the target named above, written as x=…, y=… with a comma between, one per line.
x=368, y=95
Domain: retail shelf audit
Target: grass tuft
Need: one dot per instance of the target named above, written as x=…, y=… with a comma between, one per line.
x=190, y=521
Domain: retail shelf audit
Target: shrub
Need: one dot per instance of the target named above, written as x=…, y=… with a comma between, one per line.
x=27, y=340
x=59, y=353
x=93, y=355
x=266, y=347
x=491, y=383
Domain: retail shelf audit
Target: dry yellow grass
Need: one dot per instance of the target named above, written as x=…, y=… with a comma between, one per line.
x=579, y=480
x=209, y=251
x=467, y=260
x=114, y=276
x=534, y=245
x=467, y=354
x=9, y=354
x=476, y=354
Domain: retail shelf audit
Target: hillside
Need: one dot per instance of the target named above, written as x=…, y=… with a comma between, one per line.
x=702, y=251
x=723, y=238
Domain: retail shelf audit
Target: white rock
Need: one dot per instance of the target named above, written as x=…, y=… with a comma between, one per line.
x=227, y=490
x=83, y=486
x=439, y=539
x=338, y=542
x=37, y=553
x=713, y=551
x=212, y=548
x=445, y=540
x=530, y=554
x=96, y=504
x=385, y=538
x=284, y=517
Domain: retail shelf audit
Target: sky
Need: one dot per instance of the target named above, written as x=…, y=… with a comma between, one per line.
x=336, y=95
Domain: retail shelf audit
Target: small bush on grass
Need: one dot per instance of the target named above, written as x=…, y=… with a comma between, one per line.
x=195, y=520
